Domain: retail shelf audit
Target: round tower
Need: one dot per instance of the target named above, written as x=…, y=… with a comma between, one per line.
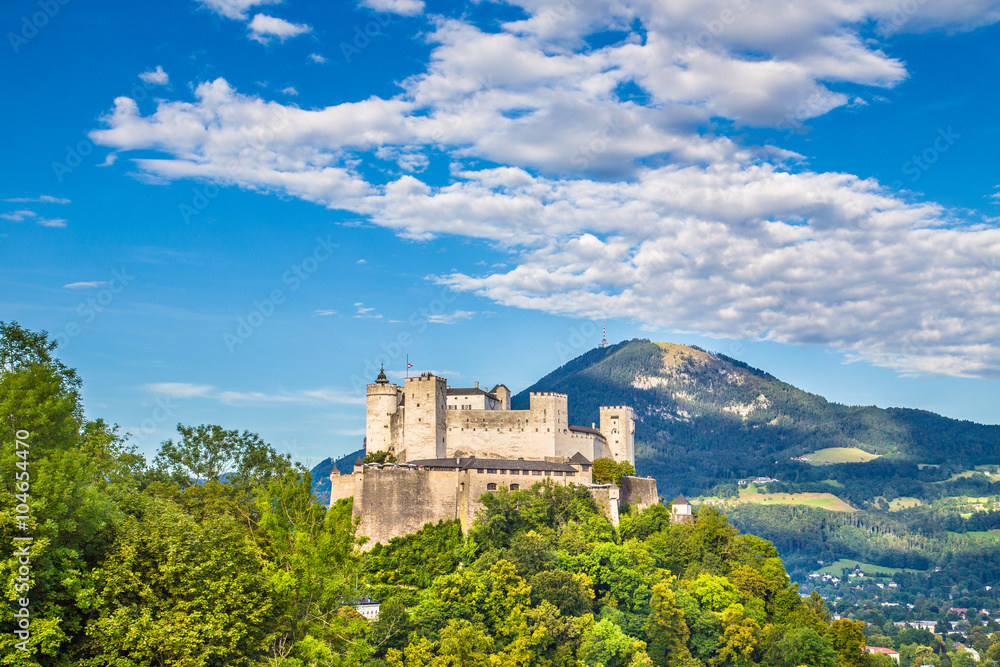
x=382, y=416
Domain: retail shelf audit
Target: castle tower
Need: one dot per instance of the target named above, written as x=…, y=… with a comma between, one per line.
x=549, y=411
x=618, y=427
x=503, y=396
x=382, y=419
x=424, y=418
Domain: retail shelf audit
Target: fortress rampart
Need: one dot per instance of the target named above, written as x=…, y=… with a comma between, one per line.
x=452, y=445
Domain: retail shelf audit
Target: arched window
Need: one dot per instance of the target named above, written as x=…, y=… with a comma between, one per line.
x=491, y=486
x=515, y=487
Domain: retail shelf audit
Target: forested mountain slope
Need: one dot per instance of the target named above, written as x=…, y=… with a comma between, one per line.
x=704, y=418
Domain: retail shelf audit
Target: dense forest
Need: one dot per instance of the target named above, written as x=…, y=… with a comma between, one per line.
x=705, y=421
x=217, y=552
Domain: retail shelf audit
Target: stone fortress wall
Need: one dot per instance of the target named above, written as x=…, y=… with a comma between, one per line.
x=453, y=445
x=427, y=419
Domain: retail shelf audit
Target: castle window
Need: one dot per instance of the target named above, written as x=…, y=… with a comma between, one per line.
x=491, y=487
x=515, y=472
x=491, y=471
x=536, y=472
x=570, y=474
x=479, y=470
x=515, y=487
x=558, y=473
x=548, y=473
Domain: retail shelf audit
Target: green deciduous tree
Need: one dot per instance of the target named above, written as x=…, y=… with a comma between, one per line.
x=848, y=639
x=606, y=645
x=608, y=470
x=208, y=452
x=801, y=646
x=179, y=592
x=666, y=629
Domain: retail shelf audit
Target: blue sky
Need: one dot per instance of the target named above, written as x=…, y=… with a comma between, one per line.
x=230, y=211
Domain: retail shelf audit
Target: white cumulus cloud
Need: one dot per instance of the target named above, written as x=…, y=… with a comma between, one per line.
x=264, y=28
x=623, y=206
x=155, y=77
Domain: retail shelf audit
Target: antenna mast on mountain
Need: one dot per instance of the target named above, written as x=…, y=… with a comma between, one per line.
x=604, y=336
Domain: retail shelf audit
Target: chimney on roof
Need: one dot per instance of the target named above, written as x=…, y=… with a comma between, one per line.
x=477, y=385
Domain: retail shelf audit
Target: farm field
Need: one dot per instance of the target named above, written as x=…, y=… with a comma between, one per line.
x=869, y=569
x=983, y=534
x=904, y=502
x=826, y=501
x=840, y=455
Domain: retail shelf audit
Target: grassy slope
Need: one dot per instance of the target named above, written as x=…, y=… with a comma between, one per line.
x=840, y=455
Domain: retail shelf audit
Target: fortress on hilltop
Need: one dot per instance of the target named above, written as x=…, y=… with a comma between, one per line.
x=453, y=445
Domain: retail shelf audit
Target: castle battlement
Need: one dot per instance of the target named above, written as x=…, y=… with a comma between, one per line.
x=452, y=445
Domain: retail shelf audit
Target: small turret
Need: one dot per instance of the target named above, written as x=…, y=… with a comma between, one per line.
x=382, y=379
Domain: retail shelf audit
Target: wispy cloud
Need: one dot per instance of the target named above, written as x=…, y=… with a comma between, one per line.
x=90, y=284
x=450, y=318
x=236, y=9
x=264, y=28
x=18, y=216
x=320, y=396
x=179, y=389
x=317, y=58
x=404, y=7
x=41, y=199
x=155, y=77
x=21, y=216
x=323, y=312
x=290, y=90
x=51, y=222
x=365, y=312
